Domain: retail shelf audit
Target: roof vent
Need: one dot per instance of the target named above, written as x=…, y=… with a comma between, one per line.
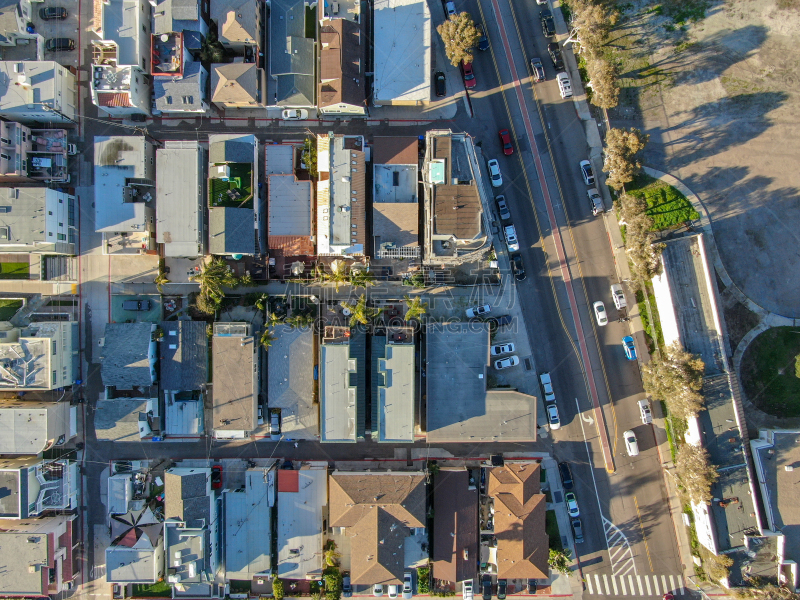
x=789, y=468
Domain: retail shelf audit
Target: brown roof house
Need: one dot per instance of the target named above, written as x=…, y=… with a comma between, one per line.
x=519, y=521
x=384, y=516
x=395, y=197
x=455, y=528
x=341, y=68
x=237, y=85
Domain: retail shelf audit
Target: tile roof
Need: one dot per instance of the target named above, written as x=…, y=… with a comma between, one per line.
x=377, y=509
x=391, y=150
x=291, y=245
x=519, y=521
x=234, y=83
x=113, y=99
x=455, y=528
x=341, y=60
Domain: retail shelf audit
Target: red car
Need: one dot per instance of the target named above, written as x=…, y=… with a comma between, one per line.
x=505, y=139
x=469, y=76
x=216, y=477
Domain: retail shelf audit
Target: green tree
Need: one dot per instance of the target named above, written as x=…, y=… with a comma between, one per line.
x=676, y=377
x=267, y=338
x=332, y=556
x=602, y=75
x=333, y=583
x=309, y=156
x=245, y=280
x=695, y=472
x=416, y=307
x=622, y=152
x=337, y=275
x=559, y=561
x=460, y=36
x=591, y=23
x=277, y=588
x=214, y=277
x=160, y=281
x=361, y=278
x=360, y=312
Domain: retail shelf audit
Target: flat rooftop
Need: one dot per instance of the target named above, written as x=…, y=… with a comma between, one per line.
x=289, y=206
x=121, y=20
x=341, y=198
x=248, y=526
x=233, y=395
x=402, y=39
x=278, y=159
x=290, y=380
x=177, y=221
x=458, y=359
x=301, y=496
x=396, y=391
x=338, y=394
x=117, y=161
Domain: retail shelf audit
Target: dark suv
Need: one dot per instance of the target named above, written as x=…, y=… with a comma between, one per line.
x=53, y=12
x=59, y=45
x=516, y=267
x=548, y=25
x=441, y=86
x=555, y=55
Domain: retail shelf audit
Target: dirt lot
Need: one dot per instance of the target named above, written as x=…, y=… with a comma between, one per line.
x=719, y=98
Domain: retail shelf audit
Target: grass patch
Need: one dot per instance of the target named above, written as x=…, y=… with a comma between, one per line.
x=240, y=180
x=769, y=371
x=551, y=527
x=683, y=12
x=584, y=76
x=311, y=22
x=652, y=337
x=160, y=589
x=665, y=205
x=15, y=270
x=8, y=308
x=675, y=430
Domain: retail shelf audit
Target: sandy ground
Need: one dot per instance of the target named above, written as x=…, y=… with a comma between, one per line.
x=720, y=101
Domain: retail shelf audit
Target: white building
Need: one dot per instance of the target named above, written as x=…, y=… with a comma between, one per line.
x=39, y=357
x=181, y=188
x=37, y=91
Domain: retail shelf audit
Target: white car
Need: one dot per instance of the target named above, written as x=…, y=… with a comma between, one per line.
x=587, y=173
x=494, y=173
x=467, y=592
x=451, y=9
x=547, y=385
x=552, y=416
x=595, y=202
x=511, y=238
x=644, y=411
x=600, y=313
x=505, y=363
x=618, y=294
x=295, y=114
x=564, y=85
x=572, y=505
x=408, y=585
x=502, y=349
x=631, y=445
x=260, y=415
x=477, y=311
x=392, y=593
x=377, y=590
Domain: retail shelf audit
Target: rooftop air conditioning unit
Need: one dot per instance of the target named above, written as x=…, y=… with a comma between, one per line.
x=335, y=8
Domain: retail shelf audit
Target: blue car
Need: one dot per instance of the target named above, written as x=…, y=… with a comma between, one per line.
x=629, y=347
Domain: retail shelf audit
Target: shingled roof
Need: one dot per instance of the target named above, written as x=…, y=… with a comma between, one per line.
x=124, y=356
x=455, y=528
x=519, y=521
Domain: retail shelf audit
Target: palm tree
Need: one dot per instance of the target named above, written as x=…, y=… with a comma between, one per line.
x=206, y=304
x=267, y=338
x=246, y=280
x=272, y=319
x=331, y=556
x=416, y=307
x=160, y=281
x=360, y=312
x=338, y=274
x=361, y=279
x=213, y=277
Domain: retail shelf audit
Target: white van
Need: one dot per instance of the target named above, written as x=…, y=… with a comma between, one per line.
x=564, y=85
x=618, y=294
x=644, y=412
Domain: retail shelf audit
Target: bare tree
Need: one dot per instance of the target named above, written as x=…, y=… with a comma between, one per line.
x=677, y=379
x=695, y=472
x=603, y=80
x=460, y=36
x=623, y=147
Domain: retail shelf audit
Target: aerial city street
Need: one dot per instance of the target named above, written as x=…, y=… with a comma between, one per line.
x=366, y=298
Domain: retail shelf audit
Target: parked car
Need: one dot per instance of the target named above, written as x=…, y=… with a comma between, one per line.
x=564, y=85
x=467, y=591
x=586, y=172
x=59, y=44
x=600, y=313
x=618, y=294
x=502, y=349
x=532, y=582
x=392, y=590
x=516, y=267
x=483, y=42
x=555, y=55
x=548, y=24
x=572, y=505
x=408, y=585
x=494, y=173
x=505, y=363
x=505, y=139
x=501, y=589
x=566, y=475
x=644, y=411
x=629, y=347
x=503, y=208
x=595, y=202
x=347, y=588
x=216, y=477
x=441, y=84
x=552, y=416
x=487, y=587
x=136, y=305
x=295, y=114
x=631, y=445
x=577, y=530
x=275, y=425
x=260, y=415
x=377, y=590
x=547, y=386
x=478, y=311
x=511, y=238
x=537, y=68
x=49, y=13
x=451, y=9
x=469, y=76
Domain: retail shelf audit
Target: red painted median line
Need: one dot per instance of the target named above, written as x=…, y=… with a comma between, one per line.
x=562, y=261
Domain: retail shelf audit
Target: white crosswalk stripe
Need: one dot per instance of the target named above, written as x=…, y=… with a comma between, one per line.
x=625, y=585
